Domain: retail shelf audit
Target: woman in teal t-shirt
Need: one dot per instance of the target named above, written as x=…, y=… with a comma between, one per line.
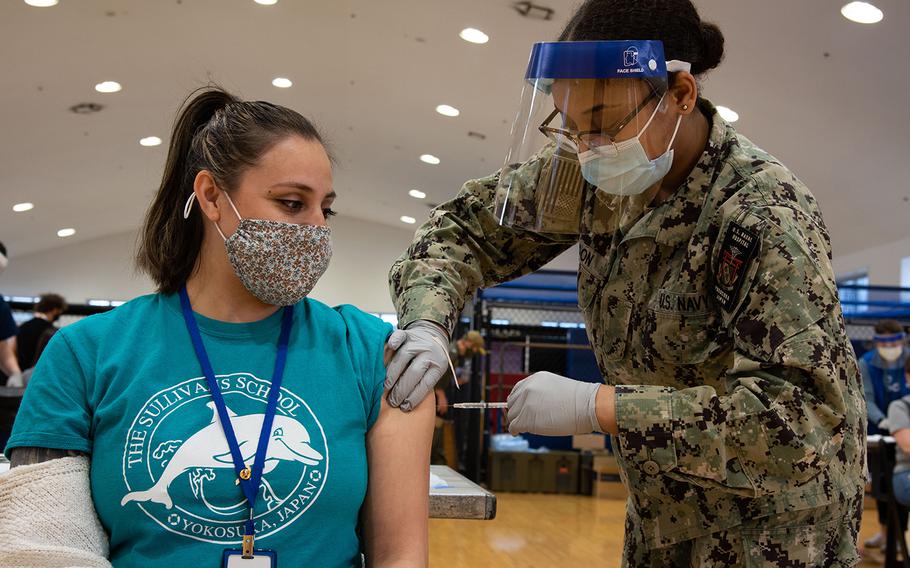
x=141, y=397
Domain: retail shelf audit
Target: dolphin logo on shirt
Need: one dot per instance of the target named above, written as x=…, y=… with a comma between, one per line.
x=208, y=448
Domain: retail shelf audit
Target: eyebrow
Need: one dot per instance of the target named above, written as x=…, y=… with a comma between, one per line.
x=303, y=187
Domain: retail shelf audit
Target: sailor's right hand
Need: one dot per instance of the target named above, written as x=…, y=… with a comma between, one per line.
x=421, y=358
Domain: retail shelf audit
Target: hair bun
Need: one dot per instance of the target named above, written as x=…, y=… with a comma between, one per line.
x=712, y=41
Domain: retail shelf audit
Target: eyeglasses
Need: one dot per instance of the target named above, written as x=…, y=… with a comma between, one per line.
x=572, y=141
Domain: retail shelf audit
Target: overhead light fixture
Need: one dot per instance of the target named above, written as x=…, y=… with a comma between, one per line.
x=417, y=194
x=41, y=3
x=473, y=35
x=63, y=233
x=447, y=110
x=150, y=141
x=408, y=220
x=429, y=159
x=23, y=207
x=108, y=87
x=282, y=82
x=727, y=114
x=266, y=2
x=862, y=13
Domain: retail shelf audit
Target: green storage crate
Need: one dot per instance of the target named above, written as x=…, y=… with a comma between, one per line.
x=566, y=469
x=509, y=471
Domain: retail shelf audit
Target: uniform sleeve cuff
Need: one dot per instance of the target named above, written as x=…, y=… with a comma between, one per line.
x=426, y=303
x=645, y=421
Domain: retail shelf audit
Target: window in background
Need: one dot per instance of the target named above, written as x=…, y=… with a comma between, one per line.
x=854, y=301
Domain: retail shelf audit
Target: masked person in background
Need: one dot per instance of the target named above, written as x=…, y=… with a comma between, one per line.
x=228, y=415
x=705, y=279
x=882, y=369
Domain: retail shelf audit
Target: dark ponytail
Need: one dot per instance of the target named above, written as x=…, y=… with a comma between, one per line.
x=675, y=22
x=218, y=132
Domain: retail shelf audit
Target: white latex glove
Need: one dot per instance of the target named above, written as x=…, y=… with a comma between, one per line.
x=15, y=381
x=884, y=424
x=551, y=405
x=421, y=358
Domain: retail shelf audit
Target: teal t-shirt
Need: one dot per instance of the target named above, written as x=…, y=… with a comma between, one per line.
x=126, y=387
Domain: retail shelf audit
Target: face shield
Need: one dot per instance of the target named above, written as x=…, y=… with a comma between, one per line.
x=578, y=150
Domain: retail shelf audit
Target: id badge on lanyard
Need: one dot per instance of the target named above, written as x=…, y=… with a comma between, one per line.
x=249, y=478
x=234, y=558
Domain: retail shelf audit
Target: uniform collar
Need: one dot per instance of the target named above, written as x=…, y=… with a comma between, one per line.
x=673, y=221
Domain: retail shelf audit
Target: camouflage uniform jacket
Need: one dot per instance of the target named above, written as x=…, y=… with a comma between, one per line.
x=717, y=318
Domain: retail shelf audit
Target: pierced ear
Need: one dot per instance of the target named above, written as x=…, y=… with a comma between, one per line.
x=207, y=194
x=684, y=92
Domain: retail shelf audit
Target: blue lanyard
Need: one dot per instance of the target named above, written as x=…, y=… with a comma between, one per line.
x=249, y=480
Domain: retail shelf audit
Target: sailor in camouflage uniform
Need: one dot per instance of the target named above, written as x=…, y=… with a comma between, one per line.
x=732, y=391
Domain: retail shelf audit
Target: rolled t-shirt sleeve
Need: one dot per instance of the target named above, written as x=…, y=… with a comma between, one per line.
x=55, y=411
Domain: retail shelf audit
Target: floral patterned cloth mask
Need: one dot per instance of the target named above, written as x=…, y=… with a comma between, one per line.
x=277, y=262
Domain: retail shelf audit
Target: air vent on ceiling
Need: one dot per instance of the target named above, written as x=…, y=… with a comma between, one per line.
x=532, y=10
x=478, y=135
x=86, y=108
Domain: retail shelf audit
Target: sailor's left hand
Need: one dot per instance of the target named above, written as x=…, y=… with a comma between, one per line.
x=551, y=405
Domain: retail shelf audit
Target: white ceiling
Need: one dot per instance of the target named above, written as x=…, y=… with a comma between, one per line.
x=370, y=74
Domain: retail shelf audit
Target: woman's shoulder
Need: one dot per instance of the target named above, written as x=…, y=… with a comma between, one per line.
x=99, y=326
x=344, y=318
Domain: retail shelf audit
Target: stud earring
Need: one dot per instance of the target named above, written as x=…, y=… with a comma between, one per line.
x=685, y=107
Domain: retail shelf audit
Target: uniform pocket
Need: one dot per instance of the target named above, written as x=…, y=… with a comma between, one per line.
x=615, y=315
x=811, y=545
x=682, y=339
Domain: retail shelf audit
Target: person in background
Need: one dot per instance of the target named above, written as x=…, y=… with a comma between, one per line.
x=37, y=331
x=460, y=351
x=898, y=423
x=8, y=363
x=882, y=369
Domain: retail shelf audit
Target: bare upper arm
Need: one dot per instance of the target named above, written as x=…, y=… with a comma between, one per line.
x=397, y=502
x=29, y=455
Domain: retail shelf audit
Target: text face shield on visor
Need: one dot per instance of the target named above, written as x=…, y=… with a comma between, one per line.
x=589, y=100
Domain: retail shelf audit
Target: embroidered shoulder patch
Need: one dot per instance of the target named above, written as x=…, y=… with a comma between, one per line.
x=737, y=250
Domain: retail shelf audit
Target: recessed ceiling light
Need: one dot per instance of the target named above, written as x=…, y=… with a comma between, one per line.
x=408, y=220
x=862, y=13
x=63, y=233
x=417, y=194
x=108, y=87
x=266, y=2
x=22, y=207
x=41, y=3
x=429, y=159
x=446, y=110
x=474, y=35
x=150, y=141
x=282, y=82
x=727, y=114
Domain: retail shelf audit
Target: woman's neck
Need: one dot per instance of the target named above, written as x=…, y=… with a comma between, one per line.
x=215, y=291
x=688, y=147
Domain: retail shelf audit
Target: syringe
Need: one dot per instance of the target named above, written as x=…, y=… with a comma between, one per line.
x=480, y=405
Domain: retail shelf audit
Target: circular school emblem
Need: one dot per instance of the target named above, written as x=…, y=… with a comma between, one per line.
x=179, y=471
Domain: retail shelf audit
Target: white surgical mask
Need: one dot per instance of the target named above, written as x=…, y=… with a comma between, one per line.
x=890, y=354
x=623, y=168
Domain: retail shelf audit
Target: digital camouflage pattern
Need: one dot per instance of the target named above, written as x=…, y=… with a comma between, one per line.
x=739, y=403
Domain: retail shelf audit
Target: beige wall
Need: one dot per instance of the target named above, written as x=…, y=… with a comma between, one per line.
x=102, y=268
